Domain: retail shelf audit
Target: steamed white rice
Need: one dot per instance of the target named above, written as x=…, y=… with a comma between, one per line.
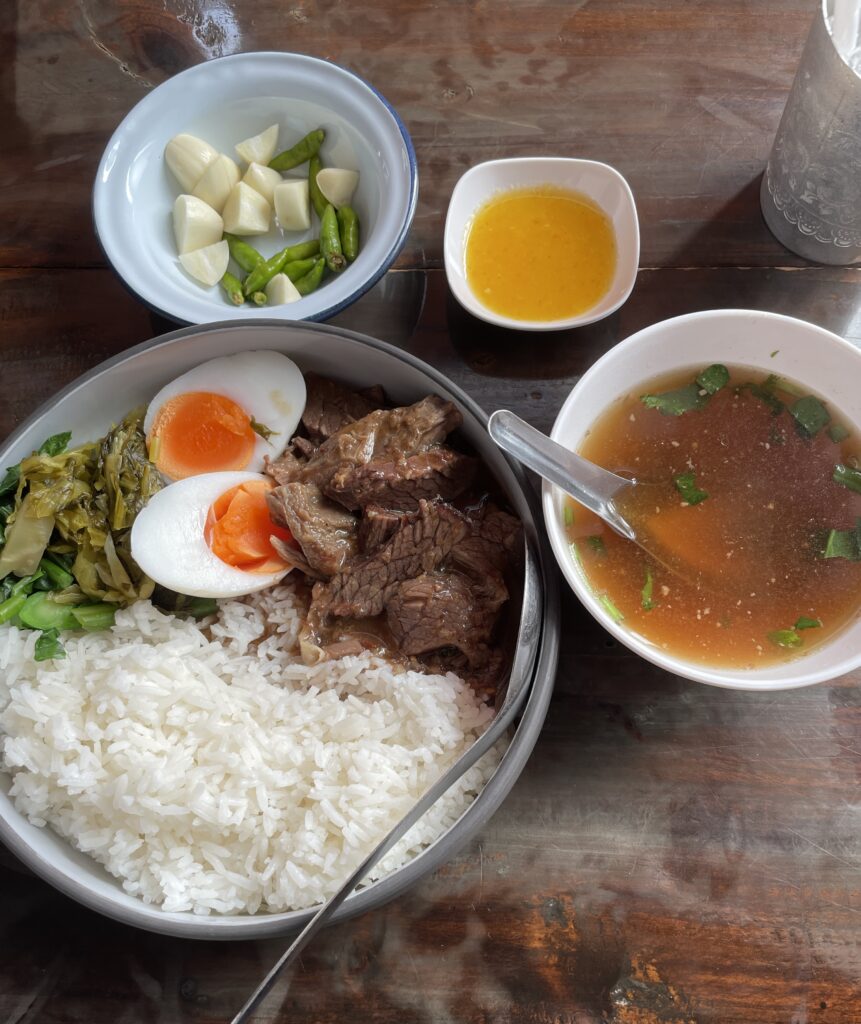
x=211, y=771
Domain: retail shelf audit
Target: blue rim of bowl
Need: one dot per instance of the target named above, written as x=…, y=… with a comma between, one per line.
x=389, y=258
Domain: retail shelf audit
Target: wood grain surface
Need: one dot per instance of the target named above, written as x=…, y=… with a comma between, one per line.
x=672, y=853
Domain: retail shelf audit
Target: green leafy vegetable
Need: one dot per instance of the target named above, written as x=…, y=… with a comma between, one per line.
x=11, y=606
x=28, y=532
x=810, y=415
x=9, y=483
x=596, y=543
x=804, y=622
x=646, y=593
x=713, y=378
x=200, y=607
x=55, y=444
x=40, y=612
x=785, y=638
x=686, y=485
x=262, y=431
x=58, y=576
x=677, y=402
x=844, y=544
x=837, y=432
x=48, y=646
x=611, y=608
x=849, y=477
x=93, y=617
x=568, y=515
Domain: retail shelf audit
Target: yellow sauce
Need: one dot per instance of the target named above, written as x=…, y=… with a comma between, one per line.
x=542, y=253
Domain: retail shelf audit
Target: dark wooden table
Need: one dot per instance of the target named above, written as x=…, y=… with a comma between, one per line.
x=671, y=853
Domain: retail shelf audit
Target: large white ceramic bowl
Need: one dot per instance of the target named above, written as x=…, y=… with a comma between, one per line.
x=820, y=360
x=225, y=101
x=603, y=184
x=103, y=396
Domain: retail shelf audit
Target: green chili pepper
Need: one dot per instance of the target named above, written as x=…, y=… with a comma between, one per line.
x=298, y=268
x=348, y=222
x=232, y=288
x=300, y=153
x=244, y=254
x=311, y=281
x=301, y=250
x=318, y=200
x=330, y=240
x=259, y=298
x=263, y=273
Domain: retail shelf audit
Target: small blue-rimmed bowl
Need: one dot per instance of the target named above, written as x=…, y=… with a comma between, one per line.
x=225, y=101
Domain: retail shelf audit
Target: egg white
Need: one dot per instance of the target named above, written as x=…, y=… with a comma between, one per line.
x=169, y=546
x=267, y=385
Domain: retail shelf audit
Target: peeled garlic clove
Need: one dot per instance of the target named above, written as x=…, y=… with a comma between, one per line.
x=246, y=212
x=263, y=180
x=216, y=182
x=259, y=149
x=188, y=157
x=195, y=224
x=207, y=265
x=337, y=184
x=292, y=206
x=281, y=290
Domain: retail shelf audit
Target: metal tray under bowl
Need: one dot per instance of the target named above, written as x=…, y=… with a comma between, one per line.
x=103, y=396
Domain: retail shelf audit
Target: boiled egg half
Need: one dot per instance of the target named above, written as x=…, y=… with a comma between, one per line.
x=225, y=414
x=210, y=536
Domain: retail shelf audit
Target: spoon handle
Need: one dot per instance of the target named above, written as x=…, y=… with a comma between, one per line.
x=591, y=485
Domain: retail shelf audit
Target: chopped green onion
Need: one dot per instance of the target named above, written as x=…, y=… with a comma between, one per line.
x=646, y=593
x=596, y=543
x=713, y=378
x=568, y=515
x=844, y=544
x=48, y=646
x=11, y=606
x=785, y=638
x=837, y=432
x=674, y=403
x=810, y=415
x=849, y=477
x=93, y=617
x=55, y=444
x=765, y=394
x=611, y=608
x=804, y=622
x=686, y=485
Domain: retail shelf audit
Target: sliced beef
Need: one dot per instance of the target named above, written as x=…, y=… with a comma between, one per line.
x=330, y=406
x=400, y=483
x=441, y=610
x=376, y=526
x=365, y=585
x=324, y=531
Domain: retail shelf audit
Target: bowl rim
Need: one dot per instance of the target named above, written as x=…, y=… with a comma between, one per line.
x=694, y=671
x=203, y=68
x=467, y=298
x=536, y=695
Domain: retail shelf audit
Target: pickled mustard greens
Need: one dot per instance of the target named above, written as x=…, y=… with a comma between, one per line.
x=754, y=494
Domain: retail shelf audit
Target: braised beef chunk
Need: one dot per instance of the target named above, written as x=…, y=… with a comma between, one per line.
x=376, y=526
x=493, y=543
x=399, y=482
x=285, y=468
x=330, y=406
x=435, y=611
x=421, y=543
x=303, y=447
x=323, y=530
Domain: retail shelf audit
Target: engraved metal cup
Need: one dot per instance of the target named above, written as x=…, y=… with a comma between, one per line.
x=811, y=189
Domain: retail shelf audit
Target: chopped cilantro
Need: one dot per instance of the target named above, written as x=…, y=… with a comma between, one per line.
x=674, y=403
x=785, y=638
x=810, y=415
x=611, y=608
x=596, y=544
x=686, y=485
x=837, y=432
x=646, y=593
x=568, y=515
x=807, y=623
x=713, y=378
x=849, y=477
x=261, y=430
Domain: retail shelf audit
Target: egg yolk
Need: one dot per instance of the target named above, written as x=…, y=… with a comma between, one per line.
x=239, y=528
x=200, y=432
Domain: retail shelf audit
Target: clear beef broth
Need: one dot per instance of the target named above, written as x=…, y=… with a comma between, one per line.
x=757, y=588
x=402, y=529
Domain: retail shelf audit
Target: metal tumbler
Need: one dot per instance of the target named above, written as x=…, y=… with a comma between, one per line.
x=811, y=189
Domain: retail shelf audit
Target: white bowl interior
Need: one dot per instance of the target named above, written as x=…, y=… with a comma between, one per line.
x=86, y=408
x=225, y=101
x=816, y=358
x=603, y=184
